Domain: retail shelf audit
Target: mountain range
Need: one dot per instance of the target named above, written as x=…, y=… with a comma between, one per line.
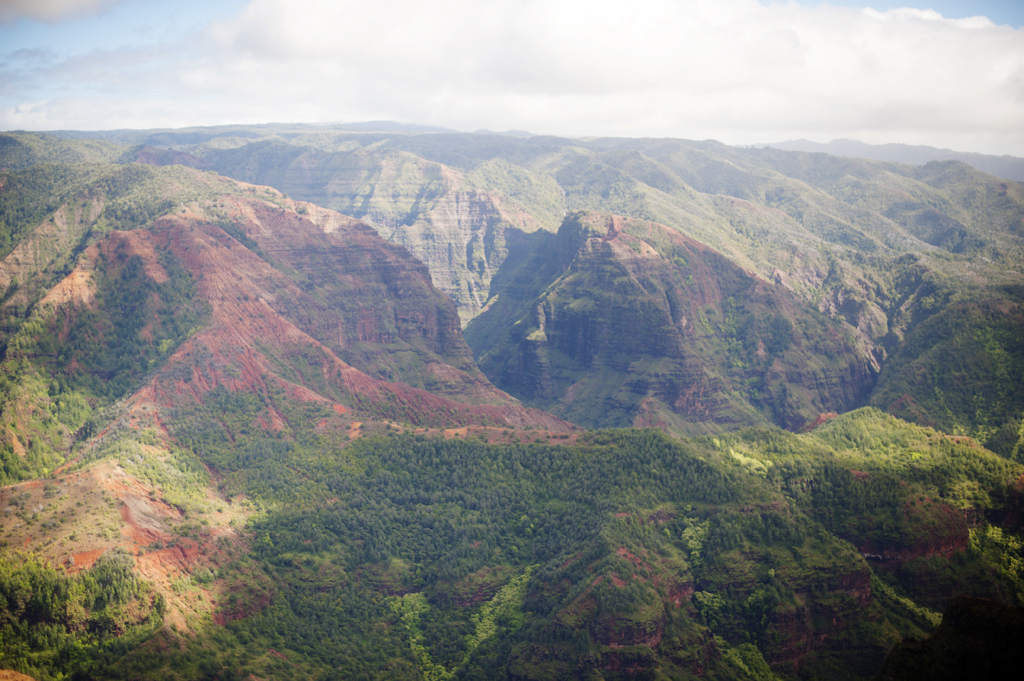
x=387, y=402
x=1009, y=167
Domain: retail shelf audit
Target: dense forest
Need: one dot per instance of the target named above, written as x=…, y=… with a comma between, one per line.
x=532, y=560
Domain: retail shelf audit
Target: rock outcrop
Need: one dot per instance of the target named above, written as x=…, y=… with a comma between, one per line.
x=633, y=323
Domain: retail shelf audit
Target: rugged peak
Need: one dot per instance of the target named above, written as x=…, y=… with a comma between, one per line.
x=580, y=227
x=637, y=324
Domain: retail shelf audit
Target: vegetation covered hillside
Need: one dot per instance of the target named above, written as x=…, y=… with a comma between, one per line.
x=622, y=555
x=218, y=284
x=243, y=435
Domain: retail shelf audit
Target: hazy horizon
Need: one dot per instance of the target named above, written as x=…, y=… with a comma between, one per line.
x=948, y=74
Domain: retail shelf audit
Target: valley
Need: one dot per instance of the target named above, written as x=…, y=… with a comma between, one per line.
x=311, y=402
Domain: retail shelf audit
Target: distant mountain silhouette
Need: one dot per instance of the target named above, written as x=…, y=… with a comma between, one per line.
x=1007, y=167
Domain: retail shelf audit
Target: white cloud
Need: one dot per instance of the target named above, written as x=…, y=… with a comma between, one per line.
x=50, y=10
x=735, y=70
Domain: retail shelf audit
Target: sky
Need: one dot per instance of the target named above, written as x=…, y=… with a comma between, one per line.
x=947, y=74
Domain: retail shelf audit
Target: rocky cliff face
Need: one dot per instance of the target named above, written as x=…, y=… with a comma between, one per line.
x=370, y=301
x=636, y=324
x=441, y=214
